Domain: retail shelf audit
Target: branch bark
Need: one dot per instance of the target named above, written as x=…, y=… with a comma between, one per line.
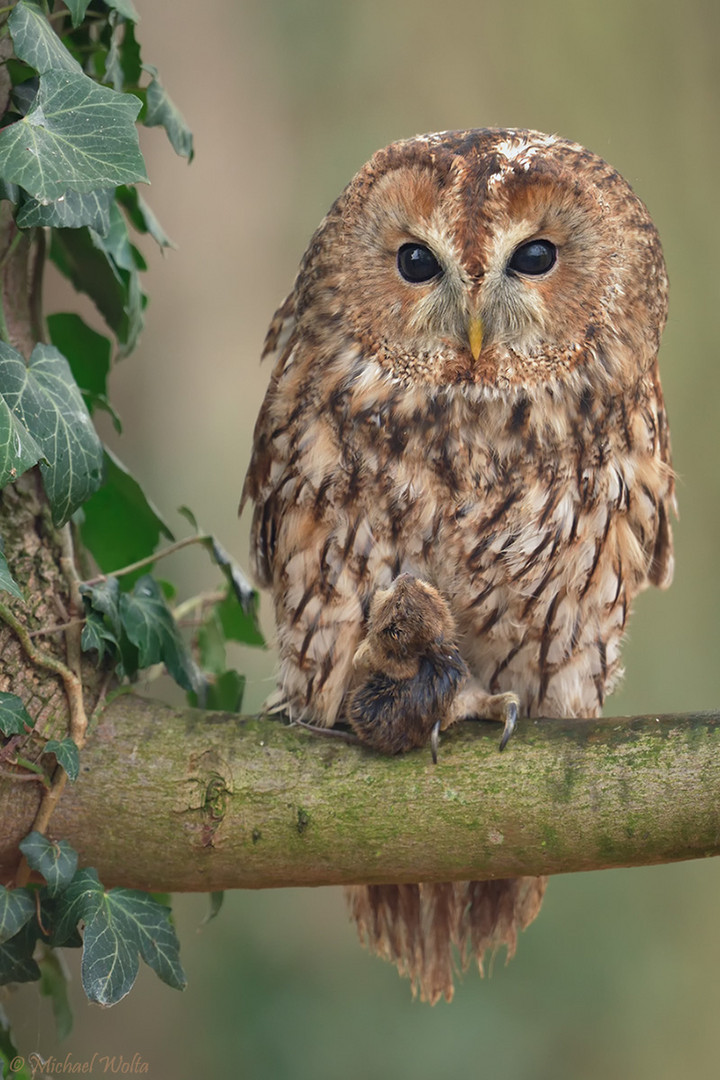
x=185, y=800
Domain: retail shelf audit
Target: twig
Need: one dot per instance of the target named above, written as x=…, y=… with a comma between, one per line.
x=58, y=628
x=149, y=560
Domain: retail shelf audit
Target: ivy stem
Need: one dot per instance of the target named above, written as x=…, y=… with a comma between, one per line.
x=78, y=725
x=45, y=631
x=149, y=560
x=199, y=601
x=17, y=238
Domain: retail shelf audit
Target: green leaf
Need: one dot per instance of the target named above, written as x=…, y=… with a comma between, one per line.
x=77, y=9
x=240, y=622
x=11, y=192
x=70, y=211
x=103, y=626
x=148, y=924
x=18, y=449
x=123, y=66
x=36, y=42
x=142, y=216
x=78, y=136
x=87, y=352
x=54, y=859
x=17, y=906
x=121, y=525
x=211, y=644
x=16, y=956
x=239, y=584
x=109, y=962
x=84, y=257
x=66, y=754
x=97, y=637
x=79, y=902
x=216, y=902
x=161, y=112
x=14, y=719
x=125, y=8
x=54, y=984
x=46, y=399
x=119, y=925
x=225, y=693
x=149, y=625
x=7, y=581
x=104, y=598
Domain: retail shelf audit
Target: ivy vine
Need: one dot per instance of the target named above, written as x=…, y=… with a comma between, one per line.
x=77, y=86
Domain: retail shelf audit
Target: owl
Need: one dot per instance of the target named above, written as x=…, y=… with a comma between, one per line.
x=465, y=427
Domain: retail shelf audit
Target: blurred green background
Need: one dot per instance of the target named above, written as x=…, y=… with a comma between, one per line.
x=619, y=975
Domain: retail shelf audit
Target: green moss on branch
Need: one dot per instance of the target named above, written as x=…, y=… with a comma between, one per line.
x=182, y=800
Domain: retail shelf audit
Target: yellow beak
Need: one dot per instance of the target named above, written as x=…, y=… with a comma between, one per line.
x=475, y=335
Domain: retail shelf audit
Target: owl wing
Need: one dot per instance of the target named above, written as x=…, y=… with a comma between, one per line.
x=259, y=485
x=660, y=539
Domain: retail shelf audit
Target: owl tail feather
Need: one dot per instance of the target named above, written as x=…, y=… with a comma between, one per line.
x=416, y=926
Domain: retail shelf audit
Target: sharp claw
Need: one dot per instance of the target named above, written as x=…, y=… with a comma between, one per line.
x=434, y=741
x=511, y=714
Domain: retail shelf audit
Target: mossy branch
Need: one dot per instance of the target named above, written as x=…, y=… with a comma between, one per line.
x=185, y=800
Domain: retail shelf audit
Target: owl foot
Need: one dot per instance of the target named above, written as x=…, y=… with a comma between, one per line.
x=474, y=703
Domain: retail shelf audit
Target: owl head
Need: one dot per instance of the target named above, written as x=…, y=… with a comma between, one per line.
x=491, y=259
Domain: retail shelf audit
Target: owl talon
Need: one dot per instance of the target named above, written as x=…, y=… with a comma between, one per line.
x=511, y=715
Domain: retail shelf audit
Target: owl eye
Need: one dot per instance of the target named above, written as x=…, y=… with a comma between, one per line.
x=417, y=263
x=536, y=257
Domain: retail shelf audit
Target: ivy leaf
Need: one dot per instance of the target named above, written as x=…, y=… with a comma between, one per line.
x=70, y=211
x=77, y=9
x=225, y=693
x=240, y=621
x=46, y=399
x=11, y=192
x=79, y=902
x=87, y=352
x=84, y=257
x=240, y=585
x=126, y=8
x=18, y=449
x=123, y=66
x=54, y=859
x=104, y=598
x=162, y=112
x=216, y=902
x=97, y=637
x=119, y=925
x=121, y=525
x=103, y=626
x=78, y=136
x=14, y=719
x=36, y=42
x=66, y=754
x=149, y=625
x=142, y=216
x=16, y=955
x=7, y=581
x=147, y=923
x=54, y=984
x=17, y=906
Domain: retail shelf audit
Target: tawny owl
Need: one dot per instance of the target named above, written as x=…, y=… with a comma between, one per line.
x=464, y=412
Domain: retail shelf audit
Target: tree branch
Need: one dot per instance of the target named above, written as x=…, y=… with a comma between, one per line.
x=184, y=800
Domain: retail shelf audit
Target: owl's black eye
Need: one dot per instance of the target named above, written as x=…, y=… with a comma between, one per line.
x=417, y=263
x=536, y=257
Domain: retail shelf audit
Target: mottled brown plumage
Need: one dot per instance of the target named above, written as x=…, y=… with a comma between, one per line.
x=496, y=433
